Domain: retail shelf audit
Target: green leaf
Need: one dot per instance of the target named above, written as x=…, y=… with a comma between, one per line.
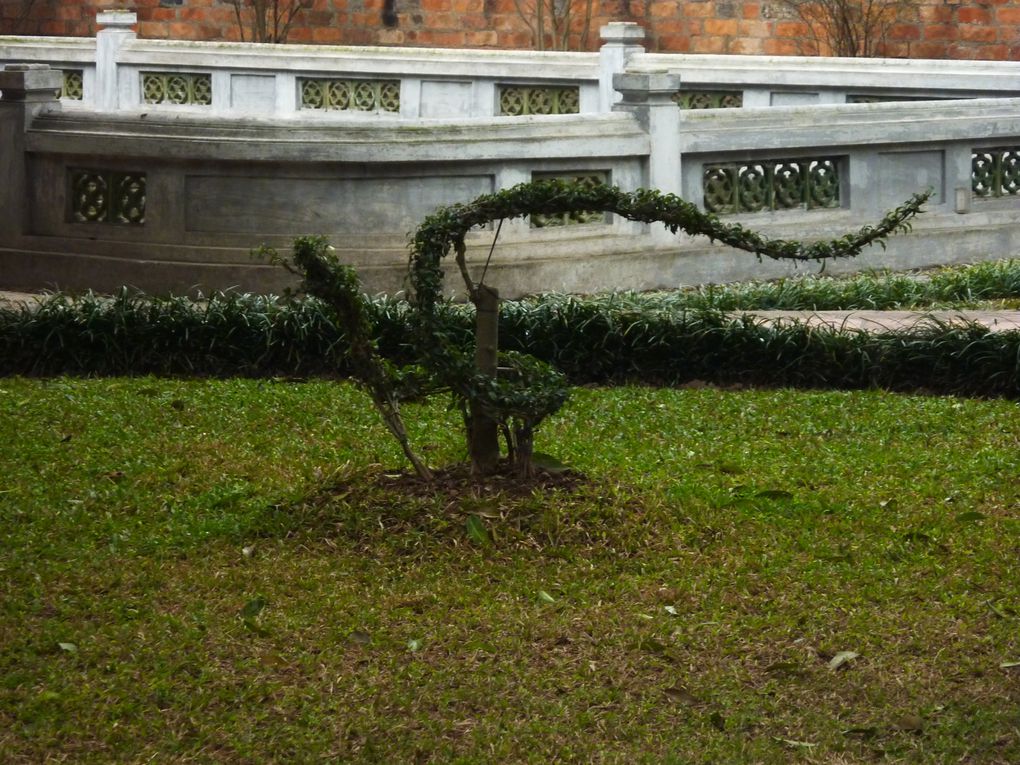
x=545, y=597
x=548, y=463
x=1009, y=665
x=69, y=647
x=971, y=516
x=254, y=607
x=414, y=645
x=476, y=530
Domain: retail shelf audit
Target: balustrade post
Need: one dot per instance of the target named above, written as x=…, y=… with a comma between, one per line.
x=117, y=29
x=650, y=98
x=620, y=41
x=26, y=90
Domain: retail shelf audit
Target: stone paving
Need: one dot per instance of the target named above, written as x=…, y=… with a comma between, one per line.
x=872, y=321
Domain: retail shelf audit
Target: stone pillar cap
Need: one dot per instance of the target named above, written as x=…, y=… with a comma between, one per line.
x=32, y=82
x=622, y=32
x=117, y=18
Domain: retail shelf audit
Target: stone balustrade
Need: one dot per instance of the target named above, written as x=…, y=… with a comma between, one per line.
x=178, y=159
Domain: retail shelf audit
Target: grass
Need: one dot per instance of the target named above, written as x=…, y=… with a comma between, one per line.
x=208, y=571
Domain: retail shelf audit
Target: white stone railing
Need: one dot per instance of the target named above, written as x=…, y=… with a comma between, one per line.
x=755, y=81
x=116, y=190
x=118, y=71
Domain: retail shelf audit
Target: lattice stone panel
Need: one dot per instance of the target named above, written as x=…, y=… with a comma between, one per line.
x=775, y=184
x=351, y=95
x=106, y=196
x=709, y=99
x=995, y=172
x=73, y=88
x=515, y=101
x=587, y=178
x=177, y=88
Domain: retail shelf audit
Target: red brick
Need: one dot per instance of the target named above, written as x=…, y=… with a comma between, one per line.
x=747, y=46
x=672, y=27
x=903, y=32
x=940, y=32
x=781, y=46
x=300, y=35
x=894, y=50
x=754, y=29
x=327, y=35
x=705, y=44
x=151, y=30
x=517, y=40
x=792, y=29
x=936, y=13
x=973, y=16
x=974, y=33
x=159, y=14
x=696, y=11
x=1007, y=15
x=481, y=39
x=723, y=27
x=69, y=12
x=662, y=9
x=751, y=11
x=929, y=50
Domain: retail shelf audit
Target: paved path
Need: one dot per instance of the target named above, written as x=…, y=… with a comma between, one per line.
x=884, y=321
x=875, y=321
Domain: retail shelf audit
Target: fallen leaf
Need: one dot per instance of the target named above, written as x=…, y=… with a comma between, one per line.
x=912, y=723
x=679, y=693
x=796, y=744
x=360, y=637
x=69, y=647
x=842, y=658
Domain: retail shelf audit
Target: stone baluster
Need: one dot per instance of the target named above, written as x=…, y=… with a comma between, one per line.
x=116, y=30
x=620, y=41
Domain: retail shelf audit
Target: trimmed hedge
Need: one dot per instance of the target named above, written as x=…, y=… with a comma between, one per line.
x=603, y=340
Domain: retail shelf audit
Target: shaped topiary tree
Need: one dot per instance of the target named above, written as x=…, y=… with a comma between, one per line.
x=510, y=393
x=514, y=393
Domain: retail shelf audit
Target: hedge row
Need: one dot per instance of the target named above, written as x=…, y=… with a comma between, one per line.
x=593, y=340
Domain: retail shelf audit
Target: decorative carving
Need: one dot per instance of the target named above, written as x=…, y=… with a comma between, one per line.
x=995, y=172
x=783, y=184
x=177, y=88
x=351, y=95
x=73, y=88
x=106, y=196
x=587, y=179
x=709, y=99
x=517, y=101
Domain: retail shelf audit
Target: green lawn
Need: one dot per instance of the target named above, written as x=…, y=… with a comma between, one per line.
x=209, y=571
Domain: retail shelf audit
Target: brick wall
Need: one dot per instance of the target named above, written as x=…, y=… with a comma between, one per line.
x=964, y=29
